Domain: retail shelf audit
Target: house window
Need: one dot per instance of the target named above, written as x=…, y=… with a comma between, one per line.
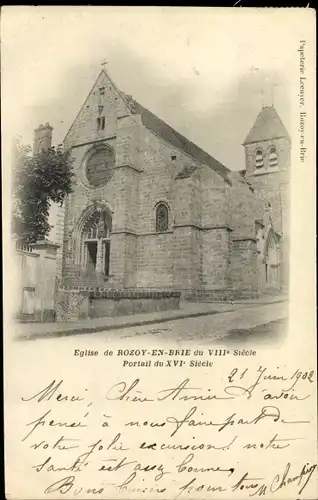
x=259, y=159
x=102, y=90
x=273, y=158
x=173, y=157
x=162, y=218
x=101, y=123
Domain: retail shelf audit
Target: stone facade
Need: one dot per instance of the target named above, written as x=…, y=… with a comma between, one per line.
x=150, y=210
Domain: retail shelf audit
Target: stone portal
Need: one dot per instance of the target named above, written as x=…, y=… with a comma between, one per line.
x=93, y=246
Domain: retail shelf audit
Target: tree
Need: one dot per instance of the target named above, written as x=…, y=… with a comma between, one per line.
x=38, y=180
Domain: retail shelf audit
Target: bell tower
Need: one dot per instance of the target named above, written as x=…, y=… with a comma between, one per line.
x=267, y=145
x=267, y=158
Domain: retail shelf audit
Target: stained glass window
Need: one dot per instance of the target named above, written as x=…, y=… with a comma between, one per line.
x=162, y=218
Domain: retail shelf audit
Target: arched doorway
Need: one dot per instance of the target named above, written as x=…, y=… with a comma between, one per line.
x=95, y=244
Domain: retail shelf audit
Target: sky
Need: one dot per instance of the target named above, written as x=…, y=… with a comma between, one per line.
x=203, y=71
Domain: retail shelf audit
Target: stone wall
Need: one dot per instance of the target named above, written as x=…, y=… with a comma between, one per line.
x=125, y=302
x=216, y=255
x=71, y=304
x=36, y=275
x=144, y=175
x=27, y=274
x=271, y=183
x=282, y=145
x=195, y=252
x=244, y=268
x=155, y=260
x=83, y=129
x=76, y=303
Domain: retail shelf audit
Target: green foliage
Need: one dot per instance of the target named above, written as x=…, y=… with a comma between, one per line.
x=38, y=180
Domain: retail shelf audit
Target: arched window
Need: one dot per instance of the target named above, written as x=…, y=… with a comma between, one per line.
x=273, y=158
x=162, y=218
x=259, y=158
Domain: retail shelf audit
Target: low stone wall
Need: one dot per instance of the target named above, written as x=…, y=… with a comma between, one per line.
x=219, y=295
x=121, y=303
x=76, y=303
x=71, y=304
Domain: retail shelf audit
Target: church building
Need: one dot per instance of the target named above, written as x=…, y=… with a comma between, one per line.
x=150, y=210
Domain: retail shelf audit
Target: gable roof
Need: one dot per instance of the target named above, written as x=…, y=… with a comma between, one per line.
x=80, y=109
x=100, y=80
x=268, y=125
x=164, y=131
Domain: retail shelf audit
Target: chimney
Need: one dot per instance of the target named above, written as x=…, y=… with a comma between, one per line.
x=42, y=137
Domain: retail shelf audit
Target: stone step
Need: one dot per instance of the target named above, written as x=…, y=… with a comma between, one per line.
x=26, y=318
x=84, y=283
